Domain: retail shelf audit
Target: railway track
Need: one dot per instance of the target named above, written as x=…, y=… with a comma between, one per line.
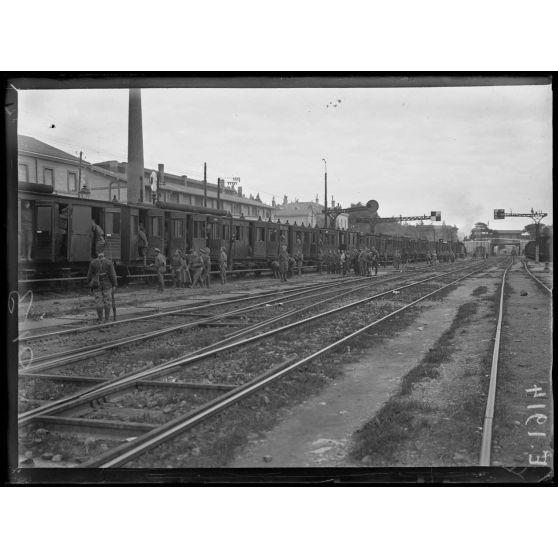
x=108, y=341
x=49, y=361
x=149, y=435
x=488, y=424
x=46, y=332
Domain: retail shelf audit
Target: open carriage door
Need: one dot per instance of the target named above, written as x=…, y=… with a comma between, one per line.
x=113, y=233
x=43, y=237
x=80, y=233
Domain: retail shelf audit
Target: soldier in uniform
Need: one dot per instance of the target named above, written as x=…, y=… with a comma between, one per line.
x=26, y=230
x=206, y=259
x=143, y=245
x=101, y=279
x=176, y=267
x=283, y=263
x=320, y=256
x=196, y=265
x=97, y=236
x=184, y=271
x=299, y=258
x=223, y=259
x=396, y=259
x=160, y=268
x=343, y=262
x=329, y=262
x=361, y=263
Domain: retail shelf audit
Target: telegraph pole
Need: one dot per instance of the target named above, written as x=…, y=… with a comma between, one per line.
x=205, y=184
x=325, y=193
x=79, y=173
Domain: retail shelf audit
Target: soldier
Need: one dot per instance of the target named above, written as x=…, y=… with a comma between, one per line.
x=97, y=236
x=320, y=256
x=206, y=274
x=283, y=263
x=184, y=271
x=404, y=259
x=374, y=256
x=101, y=279
x=343, y=262
x=160, y=268
x=196, y=265
x=299, y=258
x=143, y=245
x=361, y=263
x=26, y=230
x=396, y=259
x=223, y=259
x=176, y=267
x=329, y=262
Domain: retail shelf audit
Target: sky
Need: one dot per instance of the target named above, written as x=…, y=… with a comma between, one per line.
x=464, y=151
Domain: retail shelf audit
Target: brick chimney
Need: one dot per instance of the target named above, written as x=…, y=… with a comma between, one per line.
x=134, y=169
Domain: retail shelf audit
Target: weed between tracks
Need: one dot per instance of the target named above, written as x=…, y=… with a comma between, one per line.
x=426, y=423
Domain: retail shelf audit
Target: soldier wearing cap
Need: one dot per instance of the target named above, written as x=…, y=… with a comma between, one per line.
x=176, y=266
x=160, y=268
x=223, y=260
x=185, y=272
x=283, y=263
x=101, y=279
x=320, y=256
x=196, y=265
x=97, y=236
x=206, y=273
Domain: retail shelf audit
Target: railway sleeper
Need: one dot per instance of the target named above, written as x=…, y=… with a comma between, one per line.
x=100, y=428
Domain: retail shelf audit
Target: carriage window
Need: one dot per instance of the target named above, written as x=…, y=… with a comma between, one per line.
x=272, y=235
x=226, y=231
x=260, y=234
x=48, y=177
x=134, y=224
x=214, y=231
x=199, y=229
x=156, y=227
x=306, y=238
x=178, y=228
x=238, y=232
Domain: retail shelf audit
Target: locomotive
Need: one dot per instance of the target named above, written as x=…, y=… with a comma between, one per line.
x=62, y=244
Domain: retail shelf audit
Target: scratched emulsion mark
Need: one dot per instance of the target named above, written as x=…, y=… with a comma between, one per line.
x=15, y=301
x=537, y=419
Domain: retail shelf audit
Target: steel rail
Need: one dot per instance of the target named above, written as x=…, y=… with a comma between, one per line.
x=491, y=398
x=114, y=385
x=547, y=289
x=302, y=288
x=192, y=306
x=46, y=362
x=159, y=435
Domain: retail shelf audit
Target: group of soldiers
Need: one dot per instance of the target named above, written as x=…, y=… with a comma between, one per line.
x=341, y=262
x=190, y=270
x=286, y=264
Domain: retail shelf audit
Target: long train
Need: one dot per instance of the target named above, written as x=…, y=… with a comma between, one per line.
x=62, y=242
